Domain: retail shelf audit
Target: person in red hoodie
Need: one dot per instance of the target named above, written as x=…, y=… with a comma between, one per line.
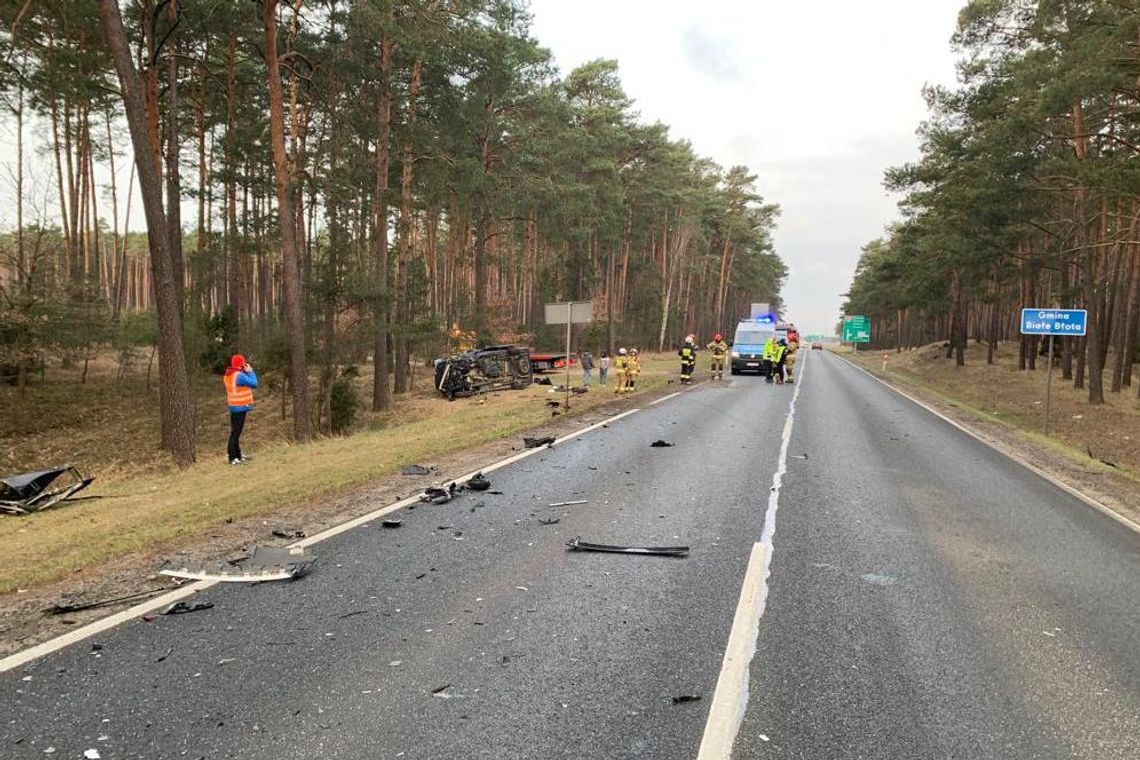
x=240, y=380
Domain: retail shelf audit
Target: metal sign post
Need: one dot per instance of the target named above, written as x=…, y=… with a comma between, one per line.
x=1052, y=322
x=571, y=312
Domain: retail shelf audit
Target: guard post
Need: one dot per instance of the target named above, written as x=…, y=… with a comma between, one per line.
x=1053, y=322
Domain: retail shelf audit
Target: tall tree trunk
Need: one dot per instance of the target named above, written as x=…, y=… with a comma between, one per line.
x=381, y=395
x=174, y=386
x=291, y=273
x=407, y=170
x=174, y=177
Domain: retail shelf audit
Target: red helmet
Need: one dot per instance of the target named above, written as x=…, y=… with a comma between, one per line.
x=718, y=336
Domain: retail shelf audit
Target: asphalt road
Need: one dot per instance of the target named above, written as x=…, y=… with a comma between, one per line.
x=928, y=598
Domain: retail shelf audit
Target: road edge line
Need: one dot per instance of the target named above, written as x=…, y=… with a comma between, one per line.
x=730, y=699
x=52, y=646
x=1016, y=458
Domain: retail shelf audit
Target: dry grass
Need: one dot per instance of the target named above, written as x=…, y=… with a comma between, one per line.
x=110, y=429
x=1001, y=393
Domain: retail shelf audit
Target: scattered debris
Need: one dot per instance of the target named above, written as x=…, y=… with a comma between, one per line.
x=660, y=444
x=553, y=403
x=478, y=482
x=267, y=563
x=577, y=544
x=391, y=523
x=290, y=534
x=415, y=469
x=31, y=491
x=542, y=381
x=182, y=608
x=496, y=493
x=65, y=608
x=354, y=613
x=441, y=689
x=91, y=754
x=686, y=698
x=551, y=521
x=436, y=495
x=534, y=443
x=567, y=503
x=800, y=456
x=167, y=654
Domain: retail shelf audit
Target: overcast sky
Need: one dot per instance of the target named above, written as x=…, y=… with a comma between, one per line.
x=816, y=97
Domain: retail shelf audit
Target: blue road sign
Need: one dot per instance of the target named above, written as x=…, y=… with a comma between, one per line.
x=1053, y=321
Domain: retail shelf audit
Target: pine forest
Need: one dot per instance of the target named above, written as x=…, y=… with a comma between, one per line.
x=324, y=184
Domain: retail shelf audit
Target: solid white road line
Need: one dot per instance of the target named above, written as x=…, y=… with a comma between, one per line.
x=107, y=623
x=730, y=700
x=665, y=398
x=1105, y=509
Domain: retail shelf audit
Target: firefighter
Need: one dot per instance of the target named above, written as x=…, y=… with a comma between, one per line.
x=790, y=359
x=621, y=370
x=688, y=354
x=718, y=349
x=632, y=370
x=461, y=341
x=779, y=354
x=766, y=364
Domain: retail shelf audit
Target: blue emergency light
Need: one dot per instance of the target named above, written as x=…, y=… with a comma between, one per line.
x=765, y=319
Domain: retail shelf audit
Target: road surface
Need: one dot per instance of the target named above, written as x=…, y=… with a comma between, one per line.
x=919, y=596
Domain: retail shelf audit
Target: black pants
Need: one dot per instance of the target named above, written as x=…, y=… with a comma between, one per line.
x=237, y=422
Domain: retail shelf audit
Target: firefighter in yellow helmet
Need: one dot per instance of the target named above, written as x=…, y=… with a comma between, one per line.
x=688, y=354
x=718, y=350
x=633, y=369
x=621, y=370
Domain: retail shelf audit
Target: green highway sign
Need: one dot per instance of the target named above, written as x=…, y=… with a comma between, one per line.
x=857, y=329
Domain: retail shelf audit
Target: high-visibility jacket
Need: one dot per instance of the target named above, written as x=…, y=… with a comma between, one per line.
x=239, y=390
x=769, y=349
x=688, y=355
x=778, y=353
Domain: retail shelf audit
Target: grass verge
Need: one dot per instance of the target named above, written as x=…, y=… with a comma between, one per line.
x=148, y=506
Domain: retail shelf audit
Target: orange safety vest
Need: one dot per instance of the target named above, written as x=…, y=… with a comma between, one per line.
x=237, y=395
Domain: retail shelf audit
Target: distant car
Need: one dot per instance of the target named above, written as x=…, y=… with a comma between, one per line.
x=816, y=345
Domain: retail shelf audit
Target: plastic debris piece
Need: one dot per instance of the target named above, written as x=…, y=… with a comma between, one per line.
x=660, y=444
x=436, y=495
x=534, y=443
x=567, y=503
x=441, y=689
x=288, y=533
x=686, y=698
x=415, y=469
x=182, y=608
x=551, y=521
x=393, y=523
x=478, y=482
x=577, y=544
x=267, y=563
x=91, y=754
